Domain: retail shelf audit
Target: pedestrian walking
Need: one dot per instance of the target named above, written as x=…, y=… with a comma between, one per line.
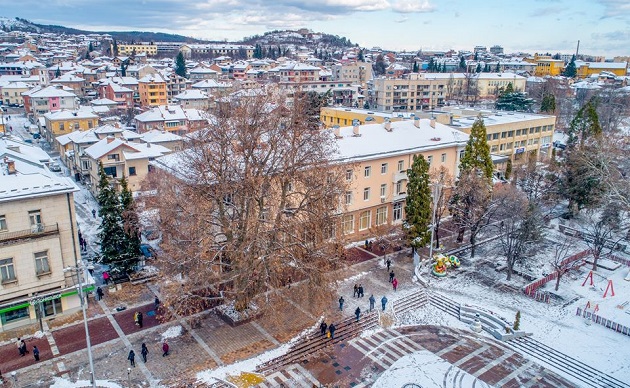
x=391, y=276
x=24, y=349
x=360, y=293
x=35, y=353
x=132, y=358
x=99, y=293
x=144, y=352
x=389, y=264
x=105, y=277
x=19, y=347
x=355, y=293
x=357, y=313
x=341, y=300
x=331, y=330
x=165, y=349
x=367, y=244
x=93, y=213
x=156, y=303
x=372, y=301
x=383, y=302
x=395, y=283
x=139, y=318
x=322, y=328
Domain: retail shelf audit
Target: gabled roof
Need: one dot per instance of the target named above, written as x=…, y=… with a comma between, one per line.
x=70, y=115
x=157, y=136
x=51, y=91
x=107, y=145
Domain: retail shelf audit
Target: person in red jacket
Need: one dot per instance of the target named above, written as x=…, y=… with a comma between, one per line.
x=165, y=348
x=395, y=283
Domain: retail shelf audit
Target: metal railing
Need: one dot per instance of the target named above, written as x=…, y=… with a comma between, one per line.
x=34, y=231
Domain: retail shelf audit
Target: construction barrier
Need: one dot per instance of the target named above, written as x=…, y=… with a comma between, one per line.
x=619, y=260
x=530, y=289
x=619, y=328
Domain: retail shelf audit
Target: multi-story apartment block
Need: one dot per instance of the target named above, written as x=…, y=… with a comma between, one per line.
x=38, y=239
x=295, y=72
x=172, y=118
x=71, y=81
x=39, y=101
x=217, y=50
x=377, y=158
x=200, y=73
x=587, y=69
x=12, y=92
x=192, y=99
x=65, y=121
x=331, y=116
x=128, y=49
x=175, y=85
x=153, y=90
x=340, y=93
x=356, y=72
x=123, y=96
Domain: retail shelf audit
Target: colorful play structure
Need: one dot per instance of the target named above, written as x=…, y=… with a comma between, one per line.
x=442, y=263
x=609, y=286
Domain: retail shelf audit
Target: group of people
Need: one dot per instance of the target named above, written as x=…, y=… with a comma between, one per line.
x=144, y=352
x=23, y=350
x=82, y=242
x=137, y=318
x=358, y=291
x=327, y=330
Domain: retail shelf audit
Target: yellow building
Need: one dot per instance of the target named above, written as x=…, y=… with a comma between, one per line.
x=377, y=158
x=128, y=49
x=586, y=69
x=153, y=90
x=37, y=241
x=331, y=116
x=513, y=134
x=65, y=121
x=551, y=67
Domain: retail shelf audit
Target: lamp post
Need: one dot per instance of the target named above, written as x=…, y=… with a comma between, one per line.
x=437, y=187
x=85, y=323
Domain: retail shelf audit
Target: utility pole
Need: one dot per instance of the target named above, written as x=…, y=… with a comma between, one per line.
x=577, y=50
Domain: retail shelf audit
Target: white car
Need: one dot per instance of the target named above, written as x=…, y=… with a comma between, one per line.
x=54, y=166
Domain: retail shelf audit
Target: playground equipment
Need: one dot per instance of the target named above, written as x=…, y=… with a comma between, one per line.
x=609, y=286
x=442, y=263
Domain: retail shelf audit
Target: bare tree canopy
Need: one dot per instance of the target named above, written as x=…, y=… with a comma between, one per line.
x=251, y=206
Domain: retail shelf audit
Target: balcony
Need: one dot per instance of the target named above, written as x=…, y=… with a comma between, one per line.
x=36, y=231
x=399, y=176
x=399, y=197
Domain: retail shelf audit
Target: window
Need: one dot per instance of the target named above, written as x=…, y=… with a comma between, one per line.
x=383, y=190
x=494, y=148
x=7, y=272
x=366, y=194
x=132, y=171
x=495, y=136
x=348, y=175
x=401, y=165
x=61, y=126
x=41, y=263
x=430, y=159
x=52, y=307
x=381, y=215
x=365, y=219
x=443, y=158
x=3, y=223
x=367, y=171
x=531, y=130
x=488, y=137
x=397, y=216
x=518, y=132
x=111, y=171
x=15, y=315
x=347, y=224
x=399, y=186
x=35, y=217
x=503, y=135
x=510, y=133
x=348, y=197
x=113, y=157
x=384, y=168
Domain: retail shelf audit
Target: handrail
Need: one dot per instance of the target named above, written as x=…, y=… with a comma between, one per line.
x=34, y=231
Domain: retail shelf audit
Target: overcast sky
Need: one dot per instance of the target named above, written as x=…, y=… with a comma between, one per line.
x=602, y=26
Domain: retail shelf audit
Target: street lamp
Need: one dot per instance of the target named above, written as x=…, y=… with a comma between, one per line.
x=85, y=323
x=437, y=187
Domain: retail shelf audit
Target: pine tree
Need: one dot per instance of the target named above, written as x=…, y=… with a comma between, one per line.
x=477, y=152
x=180, y=65
x=570, y=71
x=110, y=231
x=90, y=47
x=478, y=69
x=361, y=57
x=508, y=169
x=517, y=320
x=585, y=124
x=58, y=72
x=498, y=68
x=462, y=63
x=131, y=228
x=418, y=203
x=115, y=47
x=431, y=66
x=513, y=101
x=548, y=104
x=486, y=68
x=415, y=67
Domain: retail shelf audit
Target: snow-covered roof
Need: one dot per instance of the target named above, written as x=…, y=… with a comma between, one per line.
x=70, y=115
x=52, y=91
x=152, y=78
x=157, y=136
x=143, y=151
x=192, y=94
x=106, y=145
x=498, y=118
x=103, y=101
x=169, y=113
x=210, y=84
x=376, y=142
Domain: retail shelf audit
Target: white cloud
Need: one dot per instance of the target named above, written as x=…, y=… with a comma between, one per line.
x=411, y=6
x=616, y=8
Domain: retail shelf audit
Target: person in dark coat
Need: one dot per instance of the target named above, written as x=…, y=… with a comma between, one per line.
x=389, y=264
x=357, y=312
x=35, y=353
x=144, y=352
x=355, y=293
x=19, y=346
x=165, y=348
x=360, y=292
x=332, y=329
x=23, y=350
x=99, y=293
x=156, y=303
x=140, y=319
x=132, y=358
x=383, y=302
x=372, y=301
x=391, y=276
x=341, y=300
x=93, y=213
x=323, y=327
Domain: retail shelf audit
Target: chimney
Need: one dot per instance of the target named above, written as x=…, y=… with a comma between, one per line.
x=387, y=125
x=432, y=122
x=148, y=145
x=110, y=138
x=355, y=129
x=10, y=166
x=416, y=121
x=337, y=131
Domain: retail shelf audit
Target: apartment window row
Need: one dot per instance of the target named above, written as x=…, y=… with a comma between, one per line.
x=7, y=267
x=519, y=132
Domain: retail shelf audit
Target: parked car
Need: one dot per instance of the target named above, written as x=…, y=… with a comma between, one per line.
x=29, y=141
x=54, y=166
x=37, y=136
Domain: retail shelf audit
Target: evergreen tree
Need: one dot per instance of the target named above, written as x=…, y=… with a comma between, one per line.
x=180, y=65
x=508, y=169
x=361, y=57
x=548, y=104
x=58, y=72
x=90, y=47
x=415, y=67
x=431, y=66
x=584, y=125
x=110, y=231
x=115, y=47
x=462, y=63
x=477, y=152
x=513, y=101
x=498, y=68
x=478, y=69
x=570, y=71
x=418, y=203
x=517, y=320
x=131, y=228
x=486, y=68
x=476, y=56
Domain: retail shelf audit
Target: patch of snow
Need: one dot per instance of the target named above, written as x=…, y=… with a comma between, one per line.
x=64, y=383
x=172, y=332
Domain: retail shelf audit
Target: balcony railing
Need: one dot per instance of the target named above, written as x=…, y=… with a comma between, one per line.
x=37, y=230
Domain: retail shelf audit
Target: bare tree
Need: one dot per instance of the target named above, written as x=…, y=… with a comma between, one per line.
x=559, y=261
x=603, y=227
x=443, y=179
x=250, y=207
